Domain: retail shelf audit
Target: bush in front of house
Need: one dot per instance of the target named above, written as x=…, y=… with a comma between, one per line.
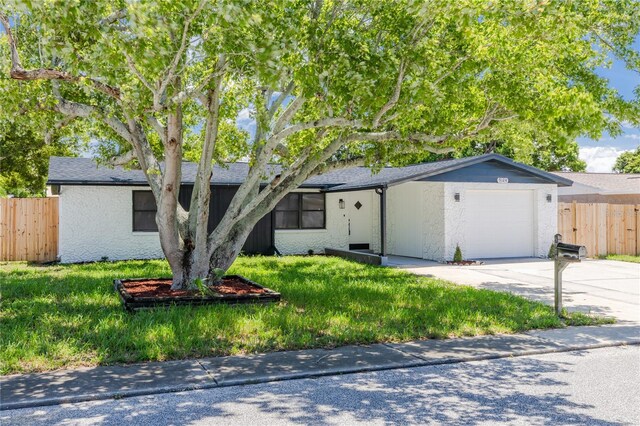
x=457, y=256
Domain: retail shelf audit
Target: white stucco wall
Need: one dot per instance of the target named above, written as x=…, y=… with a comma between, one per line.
x=336, y=233
x=456, y=213
x=433, y=225
x=415, y=217
x=96, y=222
x=428, y=211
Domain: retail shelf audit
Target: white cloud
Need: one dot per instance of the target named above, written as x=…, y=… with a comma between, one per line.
x=244, y=114
x=600, y=158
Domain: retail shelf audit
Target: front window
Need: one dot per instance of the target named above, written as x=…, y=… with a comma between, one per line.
x=144, y=212
x=301, y=210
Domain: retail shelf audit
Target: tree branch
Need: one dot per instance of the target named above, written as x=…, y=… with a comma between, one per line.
x=59, y=125
x=450, y=71
x=19, y=73
x=122, y=159
x=84, y=110
x=219, y=70
x=421, y=138
x=169, y=73
x=288, y=114
x=200, y=198
x=330, y=166
x=160, y=129
x=115, y=16
x=337, y=122
x=394, y=97
x=137, y=73
x=283, y=95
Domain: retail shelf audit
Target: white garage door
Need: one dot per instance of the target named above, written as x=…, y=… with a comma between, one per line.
x=499, y=224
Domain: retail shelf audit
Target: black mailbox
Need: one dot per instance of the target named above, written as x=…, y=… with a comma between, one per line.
x=570, y=252
x=565, y=254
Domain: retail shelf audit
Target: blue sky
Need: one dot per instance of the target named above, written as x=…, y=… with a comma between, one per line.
x=601, y=154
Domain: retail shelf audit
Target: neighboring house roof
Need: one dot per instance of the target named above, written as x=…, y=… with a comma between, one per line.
x=85, y=171
x=600, y=183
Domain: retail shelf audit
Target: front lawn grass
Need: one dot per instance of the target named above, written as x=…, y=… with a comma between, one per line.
x=69, y=315
x=622, y=258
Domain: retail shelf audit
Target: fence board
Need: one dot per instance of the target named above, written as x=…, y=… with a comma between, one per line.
x=29, y=229
x=637, y=211
x=565, y=222
x=586, y=223
x=602, y=228
x=630, y=230
x=615, y=229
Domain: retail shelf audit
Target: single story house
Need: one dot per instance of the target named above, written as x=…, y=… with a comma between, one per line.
x=612, y=188
x=489, y=205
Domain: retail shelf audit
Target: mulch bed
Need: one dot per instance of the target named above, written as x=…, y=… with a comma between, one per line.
x=155, y=292
x=162, y=288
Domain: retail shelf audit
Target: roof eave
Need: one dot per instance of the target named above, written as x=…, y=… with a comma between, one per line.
x=357, y=188
x=552, y=178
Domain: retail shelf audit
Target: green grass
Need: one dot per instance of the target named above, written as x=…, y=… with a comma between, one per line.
x=622, y=258
x=69, y=315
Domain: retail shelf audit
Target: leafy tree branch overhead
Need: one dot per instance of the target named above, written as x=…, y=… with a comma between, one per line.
x=330, y=84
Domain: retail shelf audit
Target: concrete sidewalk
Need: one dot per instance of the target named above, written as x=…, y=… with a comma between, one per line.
x=83, y=384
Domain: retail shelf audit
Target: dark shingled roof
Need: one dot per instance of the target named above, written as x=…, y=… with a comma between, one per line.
x=85, y=171
x=601, y=183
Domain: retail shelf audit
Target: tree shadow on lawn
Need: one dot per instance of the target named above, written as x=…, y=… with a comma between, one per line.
x=73, y=316
x=527, y=390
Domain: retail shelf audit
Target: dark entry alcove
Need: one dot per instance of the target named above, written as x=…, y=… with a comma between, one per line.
x=261, y=238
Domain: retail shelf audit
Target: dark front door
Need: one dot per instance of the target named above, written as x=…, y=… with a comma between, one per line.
x=260, y=240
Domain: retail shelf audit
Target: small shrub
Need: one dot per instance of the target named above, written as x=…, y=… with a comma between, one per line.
x=457, y=256
x=552, y=251
x=202, y=288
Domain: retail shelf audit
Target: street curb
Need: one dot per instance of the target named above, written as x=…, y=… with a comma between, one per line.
x=419, y=362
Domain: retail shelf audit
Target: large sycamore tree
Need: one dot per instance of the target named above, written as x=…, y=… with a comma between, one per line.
x=329, y=84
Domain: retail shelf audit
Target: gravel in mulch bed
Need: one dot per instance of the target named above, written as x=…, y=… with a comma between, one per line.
x=465, y=263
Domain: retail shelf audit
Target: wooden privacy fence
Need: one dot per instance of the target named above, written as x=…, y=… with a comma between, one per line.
x=603, y=228
x=29, y=229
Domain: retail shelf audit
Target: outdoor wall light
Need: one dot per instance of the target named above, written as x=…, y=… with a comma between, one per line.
x=341, y=203
x=456, y=196
x=548, y=198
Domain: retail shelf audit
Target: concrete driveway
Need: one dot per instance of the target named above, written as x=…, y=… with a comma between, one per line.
x=603, y=287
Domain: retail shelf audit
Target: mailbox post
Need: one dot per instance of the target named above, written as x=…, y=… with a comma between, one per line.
x=564, y=254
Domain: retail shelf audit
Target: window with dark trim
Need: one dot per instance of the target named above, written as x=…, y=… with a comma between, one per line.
x=301, y=210
x=144, y=212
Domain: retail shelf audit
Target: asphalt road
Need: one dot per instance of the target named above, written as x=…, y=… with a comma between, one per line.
x=599, y=386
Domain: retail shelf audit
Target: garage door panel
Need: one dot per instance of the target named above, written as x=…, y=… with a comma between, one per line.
x=499, y=224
